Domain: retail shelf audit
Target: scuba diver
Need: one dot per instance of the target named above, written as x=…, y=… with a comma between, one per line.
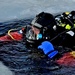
x=59, y=30
x=49, y=31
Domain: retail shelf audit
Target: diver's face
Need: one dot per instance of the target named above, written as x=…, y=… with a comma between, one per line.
x=35, y=30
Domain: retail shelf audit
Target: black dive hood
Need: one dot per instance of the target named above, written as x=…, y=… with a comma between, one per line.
x=43, y=20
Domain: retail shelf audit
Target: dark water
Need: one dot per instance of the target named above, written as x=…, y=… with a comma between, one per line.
x=27, y=61
x=5, y=26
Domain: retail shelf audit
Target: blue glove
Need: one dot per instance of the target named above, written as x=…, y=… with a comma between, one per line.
x=48, y=49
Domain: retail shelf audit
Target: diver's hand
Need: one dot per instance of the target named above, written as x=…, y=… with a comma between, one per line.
x=48, y=49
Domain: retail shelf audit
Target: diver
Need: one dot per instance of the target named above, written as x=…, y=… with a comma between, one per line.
x=38, y=35
x=41, y=29
x=59, y=30
x=47, y=29
x=40, y=32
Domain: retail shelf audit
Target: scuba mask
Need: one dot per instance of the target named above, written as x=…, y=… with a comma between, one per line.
x=31, y=36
